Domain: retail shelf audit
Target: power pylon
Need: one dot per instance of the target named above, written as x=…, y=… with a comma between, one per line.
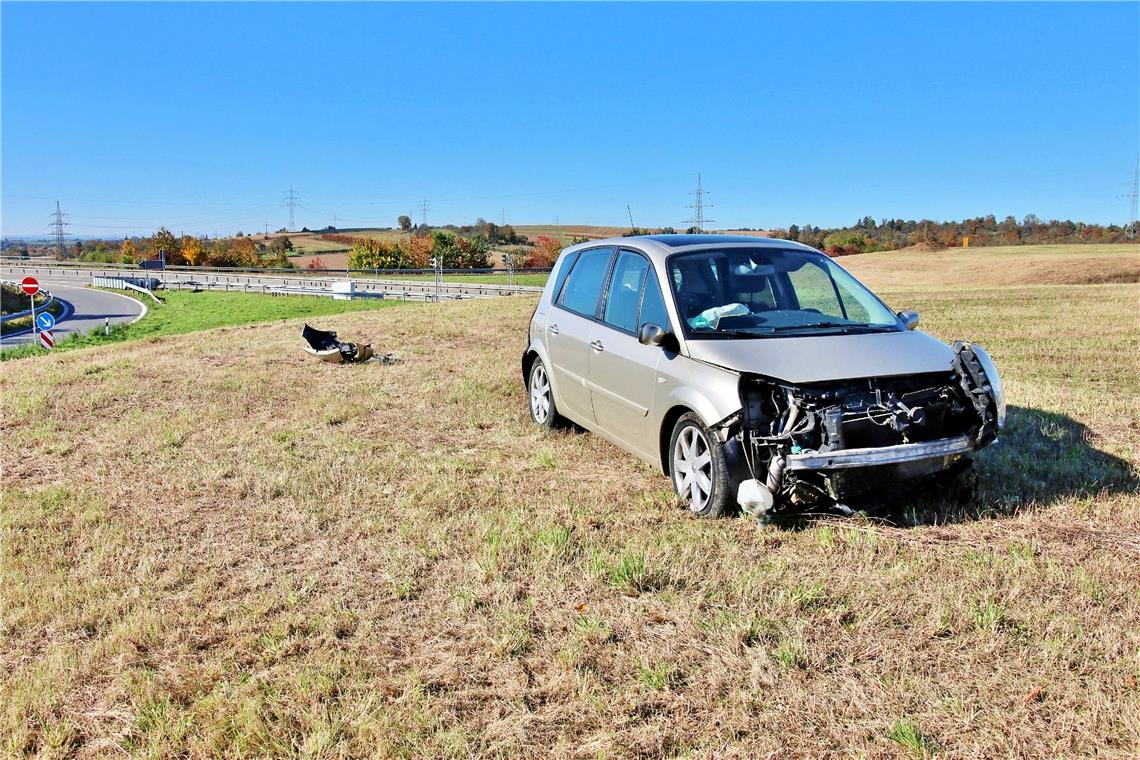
x=57, y=226
x=1133, y=196
x=698, y=206
x=424, y=206
x=291, y=200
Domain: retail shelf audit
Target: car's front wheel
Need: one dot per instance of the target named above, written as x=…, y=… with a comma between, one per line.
x=698, y=469
x=542, y=408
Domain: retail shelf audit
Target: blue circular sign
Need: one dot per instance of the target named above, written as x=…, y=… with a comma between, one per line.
x=45, y=321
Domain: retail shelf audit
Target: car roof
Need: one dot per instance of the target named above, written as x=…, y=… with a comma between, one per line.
x=660, y=246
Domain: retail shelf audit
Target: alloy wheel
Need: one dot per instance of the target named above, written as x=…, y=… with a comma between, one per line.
x=692, y=468
x=539, y=394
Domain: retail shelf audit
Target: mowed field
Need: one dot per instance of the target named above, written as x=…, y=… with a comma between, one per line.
x=220, y=551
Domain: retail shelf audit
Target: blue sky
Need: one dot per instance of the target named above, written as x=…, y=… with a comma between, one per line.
x=200, y=116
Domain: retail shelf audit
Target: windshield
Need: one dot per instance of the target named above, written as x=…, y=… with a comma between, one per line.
x=767, y=292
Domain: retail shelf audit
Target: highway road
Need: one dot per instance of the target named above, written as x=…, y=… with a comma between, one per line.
x=262, y=282
x=89, y=309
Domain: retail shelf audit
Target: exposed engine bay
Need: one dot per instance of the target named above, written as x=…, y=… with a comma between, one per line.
x=823, y=443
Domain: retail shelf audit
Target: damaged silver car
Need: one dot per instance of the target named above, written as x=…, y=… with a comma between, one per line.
x=754, y=372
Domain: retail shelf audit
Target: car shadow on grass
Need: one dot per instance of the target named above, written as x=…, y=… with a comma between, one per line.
x=1040, y=459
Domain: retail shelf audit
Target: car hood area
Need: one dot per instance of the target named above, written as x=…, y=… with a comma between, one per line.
x=821, y=358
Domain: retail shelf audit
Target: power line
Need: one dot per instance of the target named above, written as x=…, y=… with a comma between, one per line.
x=58, y=224
x=291, y=200
x=698, y=206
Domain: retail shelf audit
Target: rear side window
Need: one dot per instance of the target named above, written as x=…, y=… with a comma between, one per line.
x=625, y=291
x=584, y=287
x=563, y=270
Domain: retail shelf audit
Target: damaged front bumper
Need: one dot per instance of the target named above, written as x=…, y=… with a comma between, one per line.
x=810, y=443
x=934, y=451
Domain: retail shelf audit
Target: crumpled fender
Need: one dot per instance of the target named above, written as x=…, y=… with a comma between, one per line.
x=718, y=418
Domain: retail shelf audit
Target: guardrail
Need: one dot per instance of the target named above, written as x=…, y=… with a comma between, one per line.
x=28, y=312
x=16, y=261
x=263, y=282
x=129, y=283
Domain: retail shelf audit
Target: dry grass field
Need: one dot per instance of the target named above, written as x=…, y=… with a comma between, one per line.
x=1003, y=265
x=210, y=552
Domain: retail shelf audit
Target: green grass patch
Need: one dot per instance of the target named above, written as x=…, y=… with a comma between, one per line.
x=185, y=311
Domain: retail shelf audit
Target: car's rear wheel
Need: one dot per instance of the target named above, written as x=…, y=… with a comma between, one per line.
x=542, y=408
x=698, y=469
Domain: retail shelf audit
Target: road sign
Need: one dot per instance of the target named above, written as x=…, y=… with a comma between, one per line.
x=47, y=339
x=30, y=285
x=45, y=320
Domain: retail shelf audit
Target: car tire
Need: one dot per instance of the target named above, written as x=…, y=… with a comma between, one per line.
x=698, y=470
x=540, y=397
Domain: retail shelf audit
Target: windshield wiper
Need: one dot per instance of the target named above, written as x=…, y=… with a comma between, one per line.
x=735, y=333
x=827, y=324
x=813, y=325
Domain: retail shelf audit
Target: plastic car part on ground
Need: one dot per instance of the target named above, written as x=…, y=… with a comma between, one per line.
x=324, y=345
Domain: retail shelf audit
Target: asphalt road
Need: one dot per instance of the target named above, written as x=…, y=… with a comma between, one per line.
x=90, y=309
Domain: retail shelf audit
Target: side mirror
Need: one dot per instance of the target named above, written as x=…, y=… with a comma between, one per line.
x=655, y=335
x=909, y=319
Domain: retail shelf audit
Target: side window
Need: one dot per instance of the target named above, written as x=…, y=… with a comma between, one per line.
x=582, y=290
x=560, y=278
x=625, y=291
x=653, y=305
x=815, y=291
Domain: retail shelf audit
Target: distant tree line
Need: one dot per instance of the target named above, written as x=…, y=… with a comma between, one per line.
x=469, y=246
x=868, y=235
x=186, y=250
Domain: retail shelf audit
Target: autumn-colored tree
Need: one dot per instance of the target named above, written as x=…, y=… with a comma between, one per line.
x=315, y=263
x=244, y=252
x=220, y=255
x=405, y=222
x=418, y=252
x=544, y=253
x=472, y=253
x=129, y=253
x=844, y=243
x=193, y=251
x=163, y=242
x=370, y=253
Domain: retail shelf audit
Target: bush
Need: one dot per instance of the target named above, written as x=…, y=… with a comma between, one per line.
x=844, y=243
x=544, y=253
x=370, y=253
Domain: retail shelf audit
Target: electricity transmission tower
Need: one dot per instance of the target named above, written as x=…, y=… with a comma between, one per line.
x=1133, y=196
x=698, y=206
x=424, y=205
x=292, y=199
x=57, y=226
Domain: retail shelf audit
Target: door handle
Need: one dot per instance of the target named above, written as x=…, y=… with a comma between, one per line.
x=553, y=329
x=597, y=345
